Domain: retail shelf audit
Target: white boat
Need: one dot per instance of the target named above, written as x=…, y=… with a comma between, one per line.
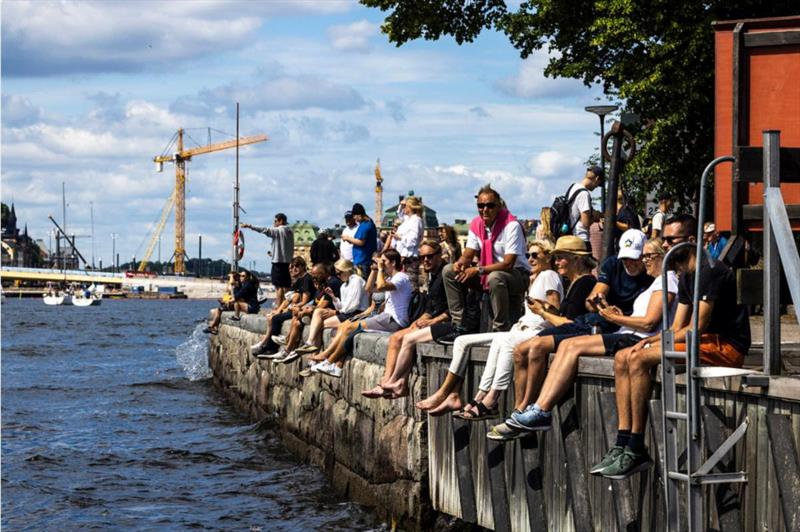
x=81, y=299
x=55, y=299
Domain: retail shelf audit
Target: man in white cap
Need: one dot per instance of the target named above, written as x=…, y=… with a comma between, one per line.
x=714, y=241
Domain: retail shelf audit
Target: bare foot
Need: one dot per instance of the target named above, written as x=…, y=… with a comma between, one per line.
x=319, y=357
x=451, y=404
x=431, y=402
x=396, y=389
x=375, y=392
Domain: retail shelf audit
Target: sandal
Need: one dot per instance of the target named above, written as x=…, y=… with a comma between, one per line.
x=209, y=330
x=484, y=412
x=235, y=318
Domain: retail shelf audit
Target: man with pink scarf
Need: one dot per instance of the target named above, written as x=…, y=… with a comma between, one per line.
x=497, y=239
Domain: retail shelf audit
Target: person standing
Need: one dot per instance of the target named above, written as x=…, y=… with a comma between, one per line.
x=346, y=248
x=581, y=213
x=282, y=253
x=407, y=238
x=323, y=251
x=365, y=240
x=657, y=223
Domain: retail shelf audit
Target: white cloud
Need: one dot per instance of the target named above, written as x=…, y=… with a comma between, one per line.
x=530, y=81
x=353, y=37
x=553, y=163
x=19, y=111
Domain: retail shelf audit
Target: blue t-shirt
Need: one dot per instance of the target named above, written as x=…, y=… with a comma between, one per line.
x=369, y=235
x=715, y=249
x=624, y=289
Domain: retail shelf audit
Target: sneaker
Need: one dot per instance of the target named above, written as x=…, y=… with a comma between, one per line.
x=628, y=463
x=531, y=419
x=279, y=339
x=611, y=456
x=331, y=369
x=280, y=355
x=319, y=366
x=257, y=348
x=505, y=432
x=306, y=373
x=291, y=357
x=265, y=355
x=307, y=349
x=235, y=318
x=450, y=338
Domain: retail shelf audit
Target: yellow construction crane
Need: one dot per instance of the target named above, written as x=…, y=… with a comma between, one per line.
x=378, y=194
x=179, y=158
x=162, y=221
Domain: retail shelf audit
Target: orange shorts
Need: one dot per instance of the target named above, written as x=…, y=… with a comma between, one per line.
x=714, y=351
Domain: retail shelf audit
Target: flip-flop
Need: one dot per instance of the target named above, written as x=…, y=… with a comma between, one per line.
x=484, y=412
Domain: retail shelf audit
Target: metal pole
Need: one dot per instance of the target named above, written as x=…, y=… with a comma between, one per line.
x=199, y=255
x=772, y=260
x=602, y=163
x=610, y=217
x=234, y=254
x=91, y=215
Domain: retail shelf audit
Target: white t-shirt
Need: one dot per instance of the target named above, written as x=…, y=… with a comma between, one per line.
x=643, y=301
x=346, y=248
x=546, y=281
x=511, y=241
x=354, y=297
x=408, y=236
x=658, y=221
x=397, y=300
x=582, y=203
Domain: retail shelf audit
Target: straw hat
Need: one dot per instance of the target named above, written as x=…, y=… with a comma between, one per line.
x=344, y=265
x=572, y=245
x=413, y=203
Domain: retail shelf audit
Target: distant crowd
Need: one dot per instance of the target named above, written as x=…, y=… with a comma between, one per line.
x=525, y=298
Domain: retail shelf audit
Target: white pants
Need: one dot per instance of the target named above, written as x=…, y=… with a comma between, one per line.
x=500, y=362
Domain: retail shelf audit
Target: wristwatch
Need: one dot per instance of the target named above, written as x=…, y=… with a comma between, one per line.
x=481, y=271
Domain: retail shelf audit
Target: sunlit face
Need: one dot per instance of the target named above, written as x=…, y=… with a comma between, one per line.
x=633, y=267
x=431, y=259
x=674, y=233
x=563, y=263
x=538, y=259
x=652, y=260
x=488, y=207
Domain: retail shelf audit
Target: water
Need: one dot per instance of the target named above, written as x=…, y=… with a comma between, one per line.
x=109, y=420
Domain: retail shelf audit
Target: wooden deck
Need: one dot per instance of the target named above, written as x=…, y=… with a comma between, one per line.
x=542, y=482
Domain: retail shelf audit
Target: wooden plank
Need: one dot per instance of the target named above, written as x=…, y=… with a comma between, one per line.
x=495, y=459
x=787, y=469
x=532, y=450
x=578, y=481
x=729, y=507
x=657, y=430
x=623, y=495
x=771, y=38
x=466, y=485
x=750, y=161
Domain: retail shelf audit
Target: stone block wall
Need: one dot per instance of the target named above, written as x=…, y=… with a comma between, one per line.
x=374, y=451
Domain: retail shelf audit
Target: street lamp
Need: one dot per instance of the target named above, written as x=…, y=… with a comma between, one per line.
x=602, y=111
x=114, y=262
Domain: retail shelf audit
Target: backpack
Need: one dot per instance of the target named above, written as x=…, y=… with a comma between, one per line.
x=417, y=305
x=559, y=213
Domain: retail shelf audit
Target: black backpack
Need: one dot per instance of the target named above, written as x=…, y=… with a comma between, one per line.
x=417, y=305
x=559, y=213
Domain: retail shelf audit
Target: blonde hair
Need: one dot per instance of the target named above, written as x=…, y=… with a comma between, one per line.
x=544, y=221
x=545, y=245
x=658, y=244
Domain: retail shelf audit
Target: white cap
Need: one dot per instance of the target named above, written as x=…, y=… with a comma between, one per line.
x=631, y=244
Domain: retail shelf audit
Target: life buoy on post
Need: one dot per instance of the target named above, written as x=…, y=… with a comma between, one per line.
x=238, y=243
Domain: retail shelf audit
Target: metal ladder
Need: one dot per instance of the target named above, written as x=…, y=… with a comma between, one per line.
x=695, y=475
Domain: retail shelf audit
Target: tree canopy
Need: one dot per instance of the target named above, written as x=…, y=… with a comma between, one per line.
x=654, y=58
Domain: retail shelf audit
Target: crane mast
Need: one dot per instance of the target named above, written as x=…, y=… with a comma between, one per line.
x=179, y=158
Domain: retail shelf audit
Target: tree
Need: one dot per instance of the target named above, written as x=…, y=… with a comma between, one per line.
x=654, y=58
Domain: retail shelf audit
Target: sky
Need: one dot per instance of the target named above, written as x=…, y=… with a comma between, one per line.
x=92, y=91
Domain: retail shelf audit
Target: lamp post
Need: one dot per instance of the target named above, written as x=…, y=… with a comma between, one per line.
x=199, y=254
x=114, y=252
x=602, y=111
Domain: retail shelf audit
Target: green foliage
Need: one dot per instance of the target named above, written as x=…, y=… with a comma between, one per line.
x=654, y=58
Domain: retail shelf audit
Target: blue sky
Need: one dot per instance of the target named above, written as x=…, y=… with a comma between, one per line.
x=91, y=91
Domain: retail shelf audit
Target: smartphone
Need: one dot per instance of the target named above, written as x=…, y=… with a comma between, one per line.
x=599, y=301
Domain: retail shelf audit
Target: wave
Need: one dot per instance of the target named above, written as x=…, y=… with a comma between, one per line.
x=192, y=355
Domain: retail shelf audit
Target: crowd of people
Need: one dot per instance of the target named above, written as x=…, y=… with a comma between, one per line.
x=538, y=304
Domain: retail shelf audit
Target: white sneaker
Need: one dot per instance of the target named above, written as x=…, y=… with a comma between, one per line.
x=279, y=339
x=319, y=366
x=276, y=356
x=291, y=357
x=256, y=348
x=331, y=369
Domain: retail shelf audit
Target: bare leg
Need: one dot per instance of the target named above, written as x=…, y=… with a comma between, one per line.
x=295, y=334
x=398, y=381
x=216, y=319
x=395, y=343
x=340, y=337
x=452, y=383
x=315, y=330
x=238, y=308
x=520, y=373
x=279, y=293
x=639, y=365
x=565, y=366
x=336, y=355
x=538, y=353
x=622, y=385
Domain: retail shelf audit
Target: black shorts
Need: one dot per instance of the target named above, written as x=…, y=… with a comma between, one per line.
x=617, y=342
x=566, y=331
x=344, y=316
x=441, y=329
x=253, y=308
x=280, y=275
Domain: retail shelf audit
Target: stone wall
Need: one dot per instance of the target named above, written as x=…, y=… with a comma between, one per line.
x=374, y=451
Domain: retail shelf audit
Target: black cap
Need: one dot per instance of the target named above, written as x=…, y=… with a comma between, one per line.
x=358, y=209
x=596, y=170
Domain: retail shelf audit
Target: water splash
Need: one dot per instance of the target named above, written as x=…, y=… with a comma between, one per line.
x=192, y=355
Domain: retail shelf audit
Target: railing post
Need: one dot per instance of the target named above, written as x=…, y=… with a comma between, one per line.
x=772, y=259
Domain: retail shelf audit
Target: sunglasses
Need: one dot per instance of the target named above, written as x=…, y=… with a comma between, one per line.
x=489, y=205
x=676, y=238
x=534, y=255
x=650, y=256
x=428, y=256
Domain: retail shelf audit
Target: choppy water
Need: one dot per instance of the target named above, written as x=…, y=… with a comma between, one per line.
x=109, y=420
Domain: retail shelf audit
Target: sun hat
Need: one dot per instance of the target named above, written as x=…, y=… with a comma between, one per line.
x=571, y=244
x=343, y=265
x=631, y=244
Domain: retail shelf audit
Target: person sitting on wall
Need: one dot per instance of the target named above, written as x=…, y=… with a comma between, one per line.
x=244, y=288
x=281, y=252
x=432, y=324
x=644, y=321
x=724, y=329
x=407, y=237
x=327, y=287
x=302, y=292
x=386, y=276
x=545, y=289
x=497, y=239
x=365, y=241
x=352, y=305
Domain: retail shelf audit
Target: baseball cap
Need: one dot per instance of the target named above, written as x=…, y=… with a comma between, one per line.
x=596, y=170
x=631, y=244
